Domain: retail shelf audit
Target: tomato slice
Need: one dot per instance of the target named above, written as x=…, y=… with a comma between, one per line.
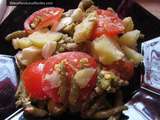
x=108, y=23
x=123, y=68
x=32, y=77
x=43, y=18
x=72, y=64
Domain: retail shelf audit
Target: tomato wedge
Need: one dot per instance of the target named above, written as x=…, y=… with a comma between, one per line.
x=43, y=18
x=108, y=23
x=123, y=68
x=32, y=78
x=72, y=64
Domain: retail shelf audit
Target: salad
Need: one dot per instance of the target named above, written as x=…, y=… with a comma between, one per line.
x=75, y=61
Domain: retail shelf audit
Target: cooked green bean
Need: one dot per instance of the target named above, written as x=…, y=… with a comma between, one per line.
x=63, y=87
x=95, y=106
x=118, y=102
x=21, y=95
x=73, y=96
x=16, y=34
x=118, y=98
x=107, y=113
x=55, y=109
x=37, y=112
x=84, y=4
x=86, y=105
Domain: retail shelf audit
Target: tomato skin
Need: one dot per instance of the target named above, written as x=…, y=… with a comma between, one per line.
x=32, y=78
x=38, y=88
x=72, y=59
x=49, y=17
x=108, y=23
x=123, y=68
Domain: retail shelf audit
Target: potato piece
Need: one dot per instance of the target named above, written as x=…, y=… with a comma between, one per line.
x=49, y=48
x=83, y=76
x=128, y=24
x=39, y=38
x=24, y=43
x=29, y=55
x=83, y=31
x=77, y=15
x=68, y=13
x=106, y=50
x=15, y=43
x=63, y=23
x=130, y=38
x=132, y=55
x=21, y=43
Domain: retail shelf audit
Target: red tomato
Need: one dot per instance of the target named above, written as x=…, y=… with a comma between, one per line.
x=32, y=77
x=72, y=64
x=108, y=23
x=47, y=17
x=124, y=68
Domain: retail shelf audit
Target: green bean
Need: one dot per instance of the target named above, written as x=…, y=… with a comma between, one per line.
x=16, y=34
x=84, y=4
x=21, y=95
x=69, y=29
x=118, y=102
x=86, y=105
x=37, y=112
x=55, y=109
x=107, y=113
x=99, y=103
x=118, y=98
x=73, y=96
x=63, y=88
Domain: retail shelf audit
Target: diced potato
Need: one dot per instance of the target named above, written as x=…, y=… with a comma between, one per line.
x=68, y=13
x=83, y=31
x=24, y=43
x=130, y=38
x=128, y=24
x=106, y=50
x=39, y=39
x=29, y=55
x=21, y=43
x=63, y=23
x=132, y=55
x=77, y=15
x=82, y=77
x=49, y=48
x=15, y=43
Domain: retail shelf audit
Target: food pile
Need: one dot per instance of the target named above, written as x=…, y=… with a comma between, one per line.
x=75, y=61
